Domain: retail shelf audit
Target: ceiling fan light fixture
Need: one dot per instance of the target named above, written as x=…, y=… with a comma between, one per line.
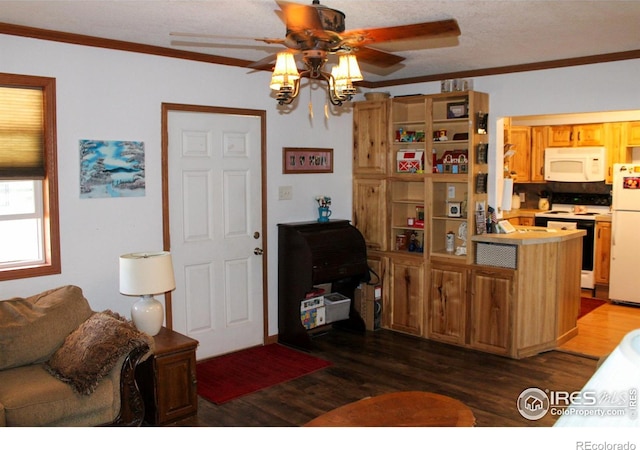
x=350, y=67
x=285, y=75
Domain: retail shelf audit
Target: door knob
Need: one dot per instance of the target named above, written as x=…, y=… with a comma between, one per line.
x=258, y=251
x=256, y=235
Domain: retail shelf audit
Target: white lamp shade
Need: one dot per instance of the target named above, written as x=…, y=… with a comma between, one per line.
x=146, y=273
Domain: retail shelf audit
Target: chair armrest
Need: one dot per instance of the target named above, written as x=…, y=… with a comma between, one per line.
x=131, y=402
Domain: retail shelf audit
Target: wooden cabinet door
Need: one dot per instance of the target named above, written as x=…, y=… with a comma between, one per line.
x=520, y=162
x=589, y=135
x=446, y=314
x=538, y=145
x=370, y=136
x=633, y=133
x=176, y=386
x=560, y=136
x=406, y=291
x=527, y=221
x=491, y=297
x=370, y=211
x=603, y=252
x=576, y=135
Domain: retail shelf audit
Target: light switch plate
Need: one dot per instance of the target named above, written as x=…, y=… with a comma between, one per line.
x=285, y=193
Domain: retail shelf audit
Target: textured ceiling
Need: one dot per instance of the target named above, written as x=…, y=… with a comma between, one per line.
x=493, y=33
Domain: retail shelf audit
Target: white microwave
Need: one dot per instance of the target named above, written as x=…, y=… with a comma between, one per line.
x=575, y=164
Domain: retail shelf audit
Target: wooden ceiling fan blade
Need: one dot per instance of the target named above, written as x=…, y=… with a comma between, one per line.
x=377, y=57
x=300, y=17
x=441, y=28
x=265, y=63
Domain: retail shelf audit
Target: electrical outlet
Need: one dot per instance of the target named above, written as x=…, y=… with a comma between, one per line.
x=285, y=193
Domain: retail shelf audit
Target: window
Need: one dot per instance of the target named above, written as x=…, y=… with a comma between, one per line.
x=29, y=230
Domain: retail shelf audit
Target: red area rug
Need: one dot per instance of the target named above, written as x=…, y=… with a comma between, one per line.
x=231, y=376
x=589, y=304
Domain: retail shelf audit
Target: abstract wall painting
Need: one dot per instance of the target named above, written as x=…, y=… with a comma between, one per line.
x=111, y=169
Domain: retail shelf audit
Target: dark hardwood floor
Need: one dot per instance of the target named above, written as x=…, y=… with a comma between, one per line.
x=383, y=361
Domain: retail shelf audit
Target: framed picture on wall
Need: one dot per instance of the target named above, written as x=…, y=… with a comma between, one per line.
x=307, y=160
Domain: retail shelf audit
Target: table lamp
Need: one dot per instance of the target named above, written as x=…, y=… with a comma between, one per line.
x=146, y=274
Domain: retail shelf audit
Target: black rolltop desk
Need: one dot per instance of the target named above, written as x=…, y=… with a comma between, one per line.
x=312, y=253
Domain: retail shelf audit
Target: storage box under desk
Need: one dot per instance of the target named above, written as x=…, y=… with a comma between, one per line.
x=337, y=307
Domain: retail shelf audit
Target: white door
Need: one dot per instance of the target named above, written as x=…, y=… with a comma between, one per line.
x=215, y=220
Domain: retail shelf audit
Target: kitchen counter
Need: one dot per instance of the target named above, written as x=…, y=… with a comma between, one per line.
x=530, y=236
x=539, y=271
x=521, y=212
x=603, y=218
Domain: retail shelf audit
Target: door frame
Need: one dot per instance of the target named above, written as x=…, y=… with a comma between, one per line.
x=166, y=235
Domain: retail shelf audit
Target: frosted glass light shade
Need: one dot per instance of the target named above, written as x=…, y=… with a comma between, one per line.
x=350, y=68
x=285, y=73
x=146, y=274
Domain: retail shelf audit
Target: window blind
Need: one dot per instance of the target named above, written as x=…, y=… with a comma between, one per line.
x=21, y=133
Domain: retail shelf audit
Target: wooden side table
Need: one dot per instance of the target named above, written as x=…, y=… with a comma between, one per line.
x=167, y=380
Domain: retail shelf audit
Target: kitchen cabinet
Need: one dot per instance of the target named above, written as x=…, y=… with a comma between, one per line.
x=584, y=135
x=490, y=315
x=616, y=137
x=520, y=162
x=633, y=134
x=369, y=211
x=603, y=252
x=447, y=307
x=527, y=221
x=406, y=294
x=522, y=220
x=538, y=145
x=370, y=132
x=527, y=164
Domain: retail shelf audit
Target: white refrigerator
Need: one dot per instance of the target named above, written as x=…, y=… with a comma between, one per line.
x=624, y=277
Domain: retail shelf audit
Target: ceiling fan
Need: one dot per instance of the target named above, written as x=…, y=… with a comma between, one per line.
x=316, y=31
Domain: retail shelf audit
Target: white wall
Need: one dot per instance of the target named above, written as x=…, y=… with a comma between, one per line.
x=105, y=94
x=114, y=95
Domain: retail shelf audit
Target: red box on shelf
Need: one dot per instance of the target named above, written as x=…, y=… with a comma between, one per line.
x=409, y=162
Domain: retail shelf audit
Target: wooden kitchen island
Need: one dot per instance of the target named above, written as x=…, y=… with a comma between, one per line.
x=525, y=290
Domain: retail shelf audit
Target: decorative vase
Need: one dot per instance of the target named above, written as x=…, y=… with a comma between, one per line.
x=323, y=214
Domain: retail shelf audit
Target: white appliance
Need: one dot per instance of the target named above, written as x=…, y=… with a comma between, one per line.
x=575, y=164
x=624, y=282
x=577, y=211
